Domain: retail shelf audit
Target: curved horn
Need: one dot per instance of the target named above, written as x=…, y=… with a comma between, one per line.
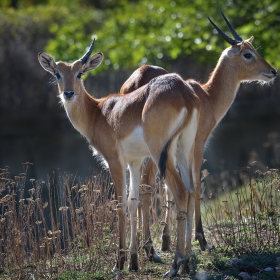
x=233, y=32
x=224, y=35
x=86, y=56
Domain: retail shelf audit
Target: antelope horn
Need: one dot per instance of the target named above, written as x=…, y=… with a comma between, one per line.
x=86, y=56
x=233, y=32
x=224, y=35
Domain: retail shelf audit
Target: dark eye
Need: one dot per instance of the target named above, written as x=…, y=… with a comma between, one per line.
x=57, y=75
x=79, y=75
x=248, y=55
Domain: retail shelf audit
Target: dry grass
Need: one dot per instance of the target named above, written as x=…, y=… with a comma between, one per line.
x=66, y=227
x=247, y=220
x=61, y=224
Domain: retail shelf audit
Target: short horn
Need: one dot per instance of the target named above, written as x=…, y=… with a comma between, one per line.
x=233, y=32
x=86, y=56
x=224, y=35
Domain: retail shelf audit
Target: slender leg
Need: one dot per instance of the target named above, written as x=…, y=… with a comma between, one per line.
x=117, y=171
x=199, y=233
x=185, y=164
x=133, y=202
x=189, y=224
x=164, y=151
x=181, y=197
x=145, y=197
x=166, y=233
x=148, y=178
x=139, y=219
x=147, y=181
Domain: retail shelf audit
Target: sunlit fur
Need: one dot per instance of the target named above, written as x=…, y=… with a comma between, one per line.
x=216, y=97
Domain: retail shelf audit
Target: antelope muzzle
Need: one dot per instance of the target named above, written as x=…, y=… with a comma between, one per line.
x=68, y=94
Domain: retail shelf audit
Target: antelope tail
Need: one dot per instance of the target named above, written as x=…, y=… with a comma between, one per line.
x=164, y=154
x=163, y=159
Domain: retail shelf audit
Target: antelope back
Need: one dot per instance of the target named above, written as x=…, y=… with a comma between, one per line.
x=140, y=77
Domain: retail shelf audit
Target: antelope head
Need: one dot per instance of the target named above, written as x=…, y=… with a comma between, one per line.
x=69, y=75
x=248, y=64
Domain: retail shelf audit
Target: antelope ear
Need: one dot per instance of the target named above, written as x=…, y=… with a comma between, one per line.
x=93, y=62
x=239, y=47
x=251, y=39
x=236, y=49
x=47, y=62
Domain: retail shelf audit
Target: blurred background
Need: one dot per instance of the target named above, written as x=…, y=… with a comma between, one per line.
x=175, y=35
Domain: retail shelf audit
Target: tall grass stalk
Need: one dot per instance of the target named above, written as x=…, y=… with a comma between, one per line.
x=68, y=225
x=247, y=220
x=61, y=224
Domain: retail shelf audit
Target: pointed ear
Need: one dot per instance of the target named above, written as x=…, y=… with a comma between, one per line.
x=238, y=48
x=47, y=62
x=93, y=62
x=251, y=39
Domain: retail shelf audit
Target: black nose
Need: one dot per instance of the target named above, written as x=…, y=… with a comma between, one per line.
x=68, y=94
x=274, y=72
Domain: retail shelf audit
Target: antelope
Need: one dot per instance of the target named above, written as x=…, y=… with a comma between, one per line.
x=158, y=120
x=238, y=63
x=140, y=77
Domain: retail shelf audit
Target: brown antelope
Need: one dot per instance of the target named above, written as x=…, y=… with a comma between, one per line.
x=158, y=120
x=238, y=63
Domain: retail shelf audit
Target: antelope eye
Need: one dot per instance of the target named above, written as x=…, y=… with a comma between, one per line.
x=248, y=55
x=57, y=75
x=79, y=75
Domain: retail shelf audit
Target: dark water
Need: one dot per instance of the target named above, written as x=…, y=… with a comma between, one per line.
x=50, y=142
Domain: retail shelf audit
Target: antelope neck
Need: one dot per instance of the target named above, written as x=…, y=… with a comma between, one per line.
x=221, y=88
x=81, y=112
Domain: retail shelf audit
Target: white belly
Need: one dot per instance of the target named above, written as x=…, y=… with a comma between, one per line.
x=134, y=146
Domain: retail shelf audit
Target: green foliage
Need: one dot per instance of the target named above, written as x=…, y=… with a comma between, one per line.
x=131, y=33
x=74, y=32
x=99, y=4
x=220, y=262
x=31, y=19
x=81, y=275
x=162, y=31
x=155, y=33
x=75, y=275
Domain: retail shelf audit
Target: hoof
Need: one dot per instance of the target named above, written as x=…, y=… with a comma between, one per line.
x=156, y=258
x=166, y=274
x=151, y=254
x=171, y=273
x=184, y=267
x=120, y=263
x=179, y=265
x=203, y=243
x=118, y=276
x=133, y=264
x=165, y=246
x=205, y=246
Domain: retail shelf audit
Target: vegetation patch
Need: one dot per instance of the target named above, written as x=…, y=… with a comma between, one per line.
x=66, y=228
